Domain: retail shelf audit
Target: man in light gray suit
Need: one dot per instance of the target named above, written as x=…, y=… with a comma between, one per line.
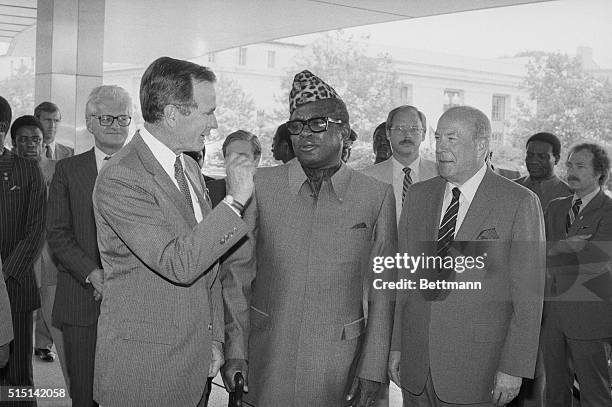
x=455, y=342
x=304, y=315
x=160, y=330
x=406, y=127
x=6, y=322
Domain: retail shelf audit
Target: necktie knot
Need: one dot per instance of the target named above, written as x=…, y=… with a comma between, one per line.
x=572, y=214
x=577, y=205
x=406, y=183
x=456, y=193
x=108, y=157
x=48, y=152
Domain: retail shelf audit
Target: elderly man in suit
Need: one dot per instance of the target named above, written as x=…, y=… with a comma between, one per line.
x=71, y=233
x=459, y=346
x=543, y=154
x=22, y=216
x=578, y=312
x=298, y=313
x=50, y=116
x=406, y=127
x=160, y=329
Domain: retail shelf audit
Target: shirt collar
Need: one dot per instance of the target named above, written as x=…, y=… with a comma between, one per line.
x=586, y=199
x=415, y=165
x=469, y=187
x=161, y=152
x=339, y=181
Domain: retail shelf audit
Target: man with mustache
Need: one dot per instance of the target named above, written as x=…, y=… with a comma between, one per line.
x=468, y=347
x=406, y=127
x=543, y=153
x=578, y=311
x=296, y=322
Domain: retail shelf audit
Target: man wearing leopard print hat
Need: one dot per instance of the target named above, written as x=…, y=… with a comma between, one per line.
x=303, y=316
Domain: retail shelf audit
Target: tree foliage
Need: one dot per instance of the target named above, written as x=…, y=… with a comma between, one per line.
x=18, y=90
x=564, y=100
x=364, y=83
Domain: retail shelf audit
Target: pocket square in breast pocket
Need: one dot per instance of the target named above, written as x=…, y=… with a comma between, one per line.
x=488, y=234
x=361, y=225
x=15, y=188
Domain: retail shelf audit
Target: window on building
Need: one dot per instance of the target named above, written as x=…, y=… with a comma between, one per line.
x=271, y=59
x=405, y=95
x=498, y=111
x=452, y=97
x=211, y=57
x=242, y=56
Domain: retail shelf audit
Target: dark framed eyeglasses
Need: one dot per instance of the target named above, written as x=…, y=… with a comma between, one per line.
x=315, y=124
x=106, y=120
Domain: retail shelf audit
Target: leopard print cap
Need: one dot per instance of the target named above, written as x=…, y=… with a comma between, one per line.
x=308, y=87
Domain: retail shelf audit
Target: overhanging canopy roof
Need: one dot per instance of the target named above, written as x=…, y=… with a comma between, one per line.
x=137, y=31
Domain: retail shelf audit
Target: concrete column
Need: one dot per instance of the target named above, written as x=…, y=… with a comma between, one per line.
x=69, y=57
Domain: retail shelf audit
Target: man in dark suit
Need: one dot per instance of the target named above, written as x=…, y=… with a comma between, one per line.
x=71, y=233
x=455, y=342
x=543, y=154
x=22, y=216
x=578, y=312
x=6, y=322
x=50, y=116
x=240, y=142
x=160, y=329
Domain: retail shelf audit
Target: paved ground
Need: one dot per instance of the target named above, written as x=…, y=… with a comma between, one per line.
x=49, y=375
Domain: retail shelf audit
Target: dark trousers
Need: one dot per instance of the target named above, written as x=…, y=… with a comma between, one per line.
x=18, y=371
x=588, y=361
x=80, y=346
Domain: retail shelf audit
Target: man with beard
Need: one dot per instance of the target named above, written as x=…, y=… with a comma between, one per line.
x=543, y=153
x=406, y=128
x=298, y=313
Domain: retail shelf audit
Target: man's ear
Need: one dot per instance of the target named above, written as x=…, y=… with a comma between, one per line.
x=345, y=131
x=557, y=157
x=88, y=120
x=170, y=115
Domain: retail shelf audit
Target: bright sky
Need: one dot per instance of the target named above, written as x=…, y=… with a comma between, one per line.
x=560, y=25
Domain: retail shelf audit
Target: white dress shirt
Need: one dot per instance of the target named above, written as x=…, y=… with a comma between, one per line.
x=166, y=159
x=468, y=190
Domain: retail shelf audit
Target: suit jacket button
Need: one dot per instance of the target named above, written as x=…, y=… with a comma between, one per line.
x=222, y=241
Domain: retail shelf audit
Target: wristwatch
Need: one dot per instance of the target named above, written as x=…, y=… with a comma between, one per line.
x=234, y=204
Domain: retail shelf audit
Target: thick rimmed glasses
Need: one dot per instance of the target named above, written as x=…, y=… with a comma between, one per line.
x=412, y=130
x=106, y=120
x=315, y=124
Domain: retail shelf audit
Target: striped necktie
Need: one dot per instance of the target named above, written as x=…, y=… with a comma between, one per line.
x=179, y=174
x=407, y=182
x=48, y=152
x=572, y=213
x=446, y=236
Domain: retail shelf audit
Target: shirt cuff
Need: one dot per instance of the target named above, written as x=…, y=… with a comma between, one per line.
x=232, y=208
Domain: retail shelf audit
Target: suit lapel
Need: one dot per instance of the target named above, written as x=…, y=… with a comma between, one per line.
x=433, y=211
x=163, y=179
x=479, y=209
x=585, y=216
x=90, y=170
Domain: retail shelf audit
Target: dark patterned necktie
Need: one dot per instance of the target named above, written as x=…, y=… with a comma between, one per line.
x=572, y=214
x=446, y=236
x=48, y=152
x=407, y=182
x=179, y=174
